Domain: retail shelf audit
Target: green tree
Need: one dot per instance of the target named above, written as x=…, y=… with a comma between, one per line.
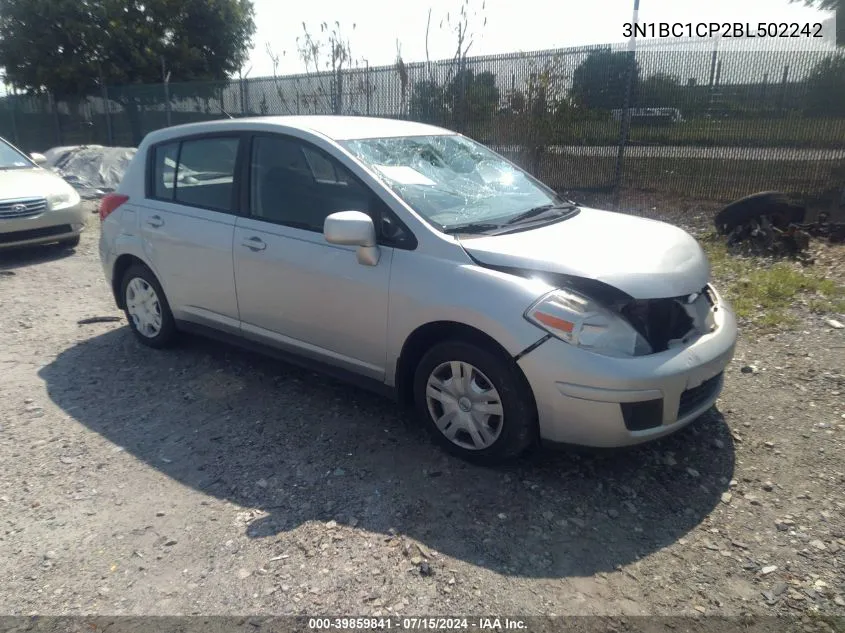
x=826, y=87
x=428, y=103
x=547, y=115
x=458, y=97
x=599, y=81
x=471, y=98
x=71, y=47
x=467, y=100
x=660, y=91
x=516, y=102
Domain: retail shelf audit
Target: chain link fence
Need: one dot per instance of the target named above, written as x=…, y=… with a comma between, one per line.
x=701, y=123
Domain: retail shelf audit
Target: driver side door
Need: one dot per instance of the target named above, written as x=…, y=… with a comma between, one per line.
x=295, y=290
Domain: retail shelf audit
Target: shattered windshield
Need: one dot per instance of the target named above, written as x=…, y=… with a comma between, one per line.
x=451, y=180
x=10, y=158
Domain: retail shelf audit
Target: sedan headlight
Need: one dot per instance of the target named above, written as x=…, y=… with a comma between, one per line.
x=63, y=200
x=578, y=320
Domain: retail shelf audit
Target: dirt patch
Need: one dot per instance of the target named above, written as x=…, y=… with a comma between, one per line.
x=205, y=480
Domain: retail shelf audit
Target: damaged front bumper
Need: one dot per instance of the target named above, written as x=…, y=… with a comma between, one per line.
x=593, y=400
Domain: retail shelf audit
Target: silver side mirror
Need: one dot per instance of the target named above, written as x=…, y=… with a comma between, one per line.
x=353, y=228
x=38, y=159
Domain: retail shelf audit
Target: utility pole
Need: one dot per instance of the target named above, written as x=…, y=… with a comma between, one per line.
x=243, y=88
x=713, y=94
x=626, y=105
x=367, y=84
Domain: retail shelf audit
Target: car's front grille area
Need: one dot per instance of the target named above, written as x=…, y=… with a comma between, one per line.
x=691, y=399
x=22, y=208
x=658, y=321
x=34, y=234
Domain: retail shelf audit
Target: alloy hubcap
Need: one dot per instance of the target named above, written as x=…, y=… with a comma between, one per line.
x=143, y=307
x=464, y=405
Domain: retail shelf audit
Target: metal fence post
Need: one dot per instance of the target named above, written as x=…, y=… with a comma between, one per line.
x=463, y=97
x=56, y=122
x=783, y=87
x=626, y=105
x=167, y=100
x=241, y=93
x=107, y=112
x=13, y=105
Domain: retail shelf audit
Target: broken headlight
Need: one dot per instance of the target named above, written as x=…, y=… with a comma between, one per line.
x=578, y=320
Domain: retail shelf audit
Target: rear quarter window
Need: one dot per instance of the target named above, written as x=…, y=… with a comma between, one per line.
x=164, y=170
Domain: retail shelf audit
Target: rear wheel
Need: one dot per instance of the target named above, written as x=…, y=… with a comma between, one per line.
x=474, y=402
x=146, y=307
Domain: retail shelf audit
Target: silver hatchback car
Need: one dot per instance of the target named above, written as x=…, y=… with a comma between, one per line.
x=416, y=261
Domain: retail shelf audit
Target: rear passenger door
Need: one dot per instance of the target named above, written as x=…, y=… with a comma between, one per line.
x=188, y=223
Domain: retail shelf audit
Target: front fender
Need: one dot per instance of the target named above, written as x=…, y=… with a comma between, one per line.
x=425, y=290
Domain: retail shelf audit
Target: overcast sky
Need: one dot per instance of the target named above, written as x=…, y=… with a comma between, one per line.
x=512, y=25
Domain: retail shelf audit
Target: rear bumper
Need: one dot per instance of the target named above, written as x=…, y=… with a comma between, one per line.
x=587, y=399
x=50, y=226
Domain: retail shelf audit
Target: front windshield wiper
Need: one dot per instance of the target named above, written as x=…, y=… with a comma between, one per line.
x=472, y=227
x=534, y=212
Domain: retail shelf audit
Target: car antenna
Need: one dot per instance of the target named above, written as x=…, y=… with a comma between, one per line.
x=226, y=113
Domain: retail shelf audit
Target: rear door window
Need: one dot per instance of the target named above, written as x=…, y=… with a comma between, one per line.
x=197, y=172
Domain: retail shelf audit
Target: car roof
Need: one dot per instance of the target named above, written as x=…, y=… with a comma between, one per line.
x=338, y=128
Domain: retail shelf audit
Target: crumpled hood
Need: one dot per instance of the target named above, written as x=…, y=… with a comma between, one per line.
x=30, y=183
x=644, y=258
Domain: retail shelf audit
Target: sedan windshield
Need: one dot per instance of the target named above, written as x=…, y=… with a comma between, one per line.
x=10, y=158
x=453, y=181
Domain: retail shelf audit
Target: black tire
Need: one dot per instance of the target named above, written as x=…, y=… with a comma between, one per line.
x=781, y=210
x=518, y=423
x=167, y=333
x=71, y=242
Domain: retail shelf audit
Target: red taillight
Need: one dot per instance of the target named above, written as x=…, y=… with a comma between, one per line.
x=110, y=202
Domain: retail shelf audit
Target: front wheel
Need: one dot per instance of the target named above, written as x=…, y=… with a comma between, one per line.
x=146, y=308
x=474, y=402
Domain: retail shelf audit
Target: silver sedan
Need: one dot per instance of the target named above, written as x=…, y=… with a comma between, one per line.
x=415, y=261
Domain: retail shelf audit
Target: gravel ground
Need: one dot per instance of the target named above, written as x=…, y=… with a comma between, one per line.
x=206, y=480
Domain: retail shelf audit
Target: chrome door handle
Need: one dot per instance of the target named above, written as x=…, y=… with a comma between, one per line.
x=155, y=221
x=254, y=244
